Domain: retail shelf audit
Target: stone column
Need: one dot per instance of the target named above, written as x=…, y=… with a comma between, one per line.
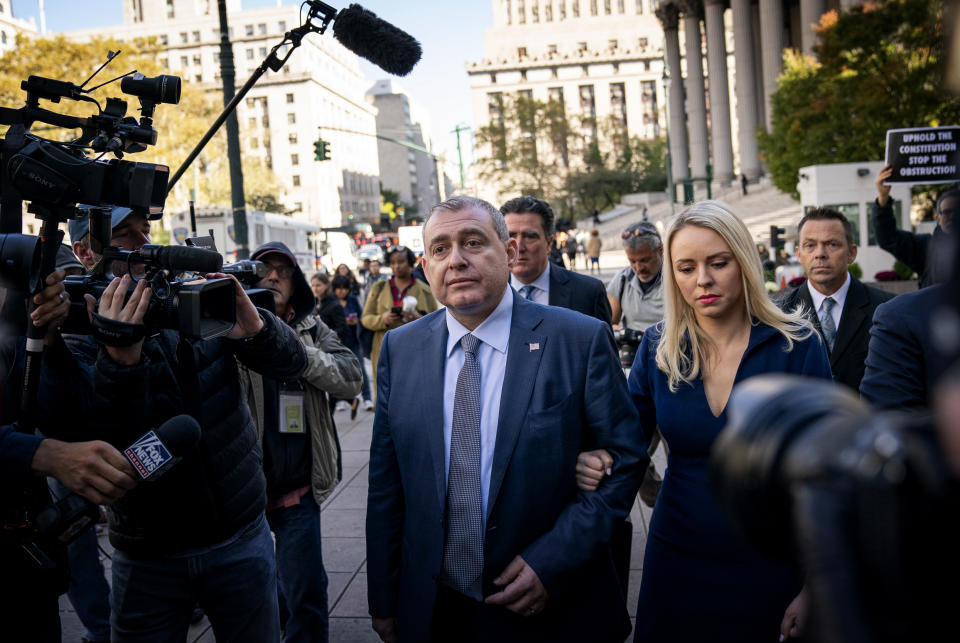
x=669, y=15
x=719, y=92
x=746, y=88
x=810, y=12
x=771, y=44
x=696, y=96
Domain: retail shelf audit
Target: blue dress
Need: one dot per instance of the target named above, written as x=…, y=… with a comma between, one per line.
x=700, y=580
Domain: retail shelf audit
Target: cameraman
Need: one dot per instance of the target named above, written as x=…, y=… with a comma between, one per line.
x=301, y=452
x=636, y=292
x=198, y=534
x=29, y=608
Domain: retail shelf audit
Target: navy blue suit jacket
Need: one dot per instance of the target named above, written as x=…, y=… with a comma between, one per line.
x=581, y=293
x=563, y=397
x=900, y=367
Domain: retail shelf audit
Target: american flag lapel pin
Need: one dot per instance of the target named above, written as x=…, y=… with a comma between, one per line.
x=535, y=346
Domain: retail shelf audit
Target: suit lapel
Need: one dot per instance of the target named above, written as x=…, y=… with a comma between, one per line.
x=432, y=374
x=851, y=318
x=560, y=294
x=524, y=352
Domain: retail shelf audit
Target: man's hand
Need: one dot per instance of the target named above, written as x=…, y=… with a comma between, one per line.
x=522, y=593
x=791, y=627
x=390, y=318
x=53, y=304
x=591, y=467
x=386, y=629
x=95, y=470
x=248, y=319
x=883, y=191
x=112, y=307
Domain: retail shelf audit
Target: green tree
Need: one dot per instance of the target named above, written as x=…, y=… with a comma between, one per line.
x=179, y=126
x=878, y=67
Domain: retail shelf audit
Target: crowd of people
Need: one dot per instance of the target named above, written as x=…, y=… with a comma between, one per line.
x=508, y=446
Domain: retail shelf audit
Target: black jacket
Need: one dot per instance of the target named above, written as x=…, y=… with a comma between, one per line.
x=578, y=292
x=922, y=253
x=218, y=487
x=853, y=333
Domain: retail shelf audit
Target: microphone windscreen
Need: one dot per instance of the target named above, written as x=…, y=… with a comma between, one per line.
x=362, y=32
x=179, y=434
x=179, y=258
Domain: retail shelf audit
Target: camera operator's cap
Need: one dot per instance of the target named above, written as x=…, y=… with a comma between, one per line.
x=80, y=227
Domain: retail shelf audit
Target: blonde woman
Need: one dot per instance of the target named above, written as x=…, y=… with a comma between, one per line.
x=700, y=582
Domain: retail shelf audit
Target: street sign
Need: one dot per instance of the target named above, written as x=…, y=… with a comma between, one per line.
x=924, y=155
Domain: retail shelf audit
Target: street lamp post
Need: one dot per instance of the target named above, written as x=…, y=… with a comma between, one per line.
x=669, y=159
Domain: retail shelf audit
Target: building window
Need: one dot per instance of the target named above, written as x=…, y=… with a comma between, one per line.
x=620, y=6
x=292, y=138
x=552, y=50
x=563, y=9
x=249, y=54
x=639, y=7
x=169, y=8
x=184, y=61
x=164, y=40
x=291, y=118
x=289, y=98
x=252, y=122
x=548, y=11
x=196, y=59
x=282, y=25
x=262, y=29
x=298, y=206
x=612, y=43
x=521, y=13
x=509, y=13
x=164, y=63
x=265, y=120
x=649, y=108
x=263, y=52
x=196, y=36
x=294, y=159
x=607, y=9
x=198, y=78
x=618, y=103
x=521, y=52
x=254, y=143
x=296, y=180
x=535, y=12
x=593, y=7
x=576, y=8
x=643, y=42
x=3, y=37
x=493, y=78
x=582, y=47
x=183, y=36
x=248, y=29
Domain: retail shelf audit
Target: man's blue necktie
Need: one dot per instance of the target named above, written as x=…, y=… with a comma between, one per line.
x=527, y=291
x=463, y=546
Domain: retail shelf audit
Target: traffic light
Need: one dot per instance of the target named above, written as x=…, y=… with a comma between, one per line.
x=321, y=150
x=776, y=241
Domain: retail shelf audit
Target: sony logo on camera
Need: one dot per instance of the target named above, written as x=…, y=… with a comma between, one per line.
x=148, y=455
x=41, y=180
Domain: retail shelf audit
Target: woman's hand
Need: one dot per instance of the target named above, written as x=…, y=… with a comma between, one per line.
x=390, y=318
x=591, y=467
x=792, y=624
x=410, y=316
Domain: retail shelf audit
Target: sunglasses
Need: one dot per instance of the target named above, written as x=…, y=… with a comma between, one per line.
x=640, y=230
x=284, y=271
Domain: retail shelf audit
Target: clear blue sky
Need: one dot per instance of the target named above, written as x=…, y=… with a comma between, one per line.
x=451, y=34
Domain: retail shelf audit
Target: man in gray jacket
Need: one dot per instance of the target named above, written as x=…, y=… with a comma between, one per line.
x=301, y=453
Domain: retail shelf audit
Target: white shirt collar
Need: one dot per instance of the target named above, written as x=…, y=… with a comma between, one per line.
x=542, y=282
x=493, y=331
x=840, y=296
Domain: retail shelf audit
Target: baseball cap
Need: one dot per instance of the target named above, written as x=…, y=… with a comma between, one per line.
x=80, y=227
x=66, y=259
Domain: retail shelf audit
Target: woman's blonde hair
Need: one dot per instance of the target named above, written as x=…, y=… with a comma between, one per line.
x=683, y=344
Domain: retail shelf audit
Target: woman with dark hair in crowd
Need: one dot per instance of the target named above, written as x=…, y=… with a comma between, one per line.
x=327, y=309
x=385, y=307
x=701, y=582
x=351, y=339
x=343, y=270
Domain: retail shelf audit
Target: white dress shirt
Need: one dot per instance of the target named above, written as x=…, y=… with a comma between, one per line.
x=494, y=336
x=840, y=297
x=541, y=294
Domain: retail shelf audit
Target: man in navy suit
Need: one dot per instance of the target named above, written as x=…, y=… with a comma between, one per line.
x=530, y=222
x=475, y=528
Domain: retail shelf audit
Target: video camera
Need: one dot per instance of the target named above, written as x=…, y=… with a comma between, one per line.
x=862, y=501
x=248, y=272
x=628, y=340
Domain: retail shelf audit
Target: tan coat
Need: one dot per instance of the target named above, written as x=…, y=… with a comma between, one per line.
x=593, y=247
x=380, y=301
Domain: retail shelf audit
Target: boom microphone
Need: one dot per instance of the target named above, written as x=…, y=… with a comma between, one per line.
x=362, y=32
x=180, y=258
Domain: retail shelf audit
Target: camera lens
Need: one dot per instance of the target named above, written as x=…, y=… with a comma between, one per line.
x=160, y=89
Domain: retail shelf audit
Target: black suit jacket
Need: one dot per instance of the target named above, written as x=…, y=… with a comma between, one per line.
x=580, y=293
x=853, y=334
x=902, y=365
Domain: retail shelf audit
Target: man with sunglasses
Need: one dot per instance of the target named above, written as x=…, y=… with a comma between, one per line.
x=301, y=453
x=636, y=292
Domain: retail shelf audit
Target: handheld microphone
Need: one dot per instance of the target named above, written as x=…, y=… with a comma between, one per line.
x=150, y=456
x=389, y=48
